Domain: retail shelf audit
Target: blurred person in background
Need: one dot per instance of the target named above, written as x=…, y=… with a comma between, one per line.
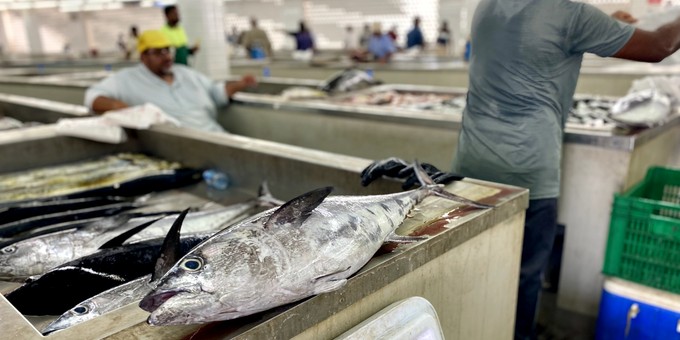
x=365, y=36
x=351, y=41
x=234, y=38
x=380, y=46
x=392, y=33
x=183, y=93
x=444, y=35
x=525, y=62
x=256, y=42
x=131, y=46
x=177, y=36
x=303, y=38
x=414, y=38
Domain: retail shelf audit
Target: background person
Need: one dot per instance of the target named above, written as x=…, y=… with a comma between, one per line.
x=183, y=93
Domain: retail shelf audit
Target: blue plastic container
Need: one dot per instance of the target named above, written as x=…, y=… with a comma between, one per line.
x=634, y=312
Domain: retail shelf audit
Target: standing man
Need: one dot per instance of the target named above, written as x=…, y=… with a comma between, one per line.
x=183, y=93
x=256, y=41
x=177, y=36
x=525, y=61
x=415, y=36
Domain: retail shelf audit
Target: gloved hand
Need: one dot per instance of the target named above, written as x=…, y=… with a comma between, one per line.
x=397, y=168
x=437, y=175
x=389, y=167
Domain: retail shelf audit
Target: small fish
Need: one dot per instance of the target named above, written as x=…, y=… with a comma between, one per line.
x=65, y=286
x=310, y=245
x=37, y=255
x=102, y=303
x=44, y=207
x=126, y=293
x=20, y=226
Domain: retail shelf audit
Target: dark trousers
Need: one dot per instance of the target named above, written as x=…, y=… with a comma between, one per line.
x=539, y=234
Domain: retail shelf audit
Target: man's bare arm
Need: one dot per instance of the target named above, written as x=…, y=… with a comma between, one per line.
x=102, y=104
x=652, y=46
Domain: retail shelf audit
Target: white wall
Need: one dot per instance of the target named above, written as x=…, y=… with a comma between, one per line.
x=326, y=18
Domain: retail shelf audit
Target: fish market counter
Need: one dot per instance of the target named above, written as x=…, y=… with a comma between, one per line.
x=70, y=88
x=598, y=76
x=596, y=163
x=467, y=268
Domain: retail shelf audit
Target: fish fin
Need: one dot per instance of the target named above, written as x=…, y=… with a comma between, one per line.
x=422, y=175
x=120, y=239
x=330, y=277
x=438, y=190
x=297, y=210
x=265, y=197
x=405, y=239
x=329, y=286
x=170, y=251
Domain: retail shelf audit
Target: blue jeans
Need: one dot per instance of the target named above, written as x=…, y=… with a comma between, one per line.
x=539, y=234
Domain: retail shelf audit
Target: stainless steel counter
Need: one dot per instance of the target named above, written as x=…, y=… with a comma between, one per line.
x=468, y=268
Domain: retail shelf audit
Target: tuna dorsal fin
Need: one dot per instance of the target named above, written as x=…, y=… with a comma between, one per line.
x=118, y=240
x=170, y=252
x=298, y=209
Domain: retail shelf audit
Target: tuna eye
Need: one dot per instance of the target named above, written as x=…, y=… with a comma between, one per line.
x=80, y=310
x=192, y=264
x=9, y=250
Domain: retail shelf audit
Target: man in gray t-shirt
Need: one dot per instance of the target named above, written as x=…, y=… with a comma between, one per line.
x=525, y=61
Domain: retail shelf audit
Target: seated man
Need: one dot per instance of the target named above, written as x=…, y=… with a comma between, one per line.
x=183, y=93
x=380, y=45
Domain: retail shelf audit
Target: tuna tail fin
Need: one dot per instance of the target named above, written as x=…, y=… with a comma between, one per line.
x=170, y=252
x=265, y=197
x=297, y=210
x=438, y=190
x=118, y=240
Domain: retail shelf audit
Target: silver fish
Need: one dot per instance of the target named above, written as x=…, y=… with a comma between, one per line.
x=308, y=246
x=102, y=303
x=37, y=255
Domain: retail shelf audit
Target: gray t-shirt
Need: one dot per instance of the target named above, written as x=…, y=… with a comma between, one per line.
x=525, y=61
x=192, y=98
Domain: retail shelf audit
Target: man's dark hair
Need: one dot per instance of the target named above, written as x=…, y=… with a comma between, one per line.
x=168, y=9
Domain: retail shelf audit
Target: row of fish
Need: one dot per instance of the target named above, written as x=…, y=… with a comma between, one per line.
x=114, y=174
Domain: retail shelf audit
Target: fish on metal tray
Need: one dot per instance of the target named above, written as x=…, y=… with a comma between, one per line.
x=43, y=207
x=310, y=245
x=56, y=291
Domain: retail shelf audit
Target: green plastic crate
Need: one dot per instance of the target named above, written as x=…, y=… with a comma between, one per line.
x=644, y=232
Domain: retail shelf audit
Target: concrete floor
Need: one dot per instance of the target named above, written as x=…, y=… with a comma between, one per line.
x=558, y=324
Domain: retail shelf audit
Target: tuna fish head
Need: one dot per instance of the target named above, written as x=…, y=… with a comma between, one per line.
x=221, y=280
x=29, y=257
x=240, y=271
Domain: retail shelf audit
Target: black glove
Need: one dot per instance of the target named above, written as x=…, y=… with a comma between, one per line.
x=390, y=167
x=398, y=168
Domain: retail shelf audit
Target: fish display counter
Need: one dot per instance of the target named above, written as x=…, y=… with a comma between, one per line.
x=598, y=160
x=70, y=87
x=464, y=260
x=598, y=76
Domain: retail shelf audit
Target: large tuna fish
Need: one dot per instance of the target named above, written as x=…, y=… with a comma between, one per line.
x=310, y=245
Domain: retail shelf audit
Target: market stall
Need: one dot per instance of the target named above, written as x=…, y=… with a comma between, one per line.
x=468, y=267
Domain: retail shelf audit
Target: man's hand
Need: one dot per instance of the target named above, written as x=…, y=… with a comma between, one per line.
x=245, y=82
x=249, y=81
x=624, y=17
x=102, y=104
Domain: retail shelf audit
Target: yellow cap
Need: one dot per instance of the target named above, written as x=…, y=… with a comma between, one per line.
x=152, y=39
